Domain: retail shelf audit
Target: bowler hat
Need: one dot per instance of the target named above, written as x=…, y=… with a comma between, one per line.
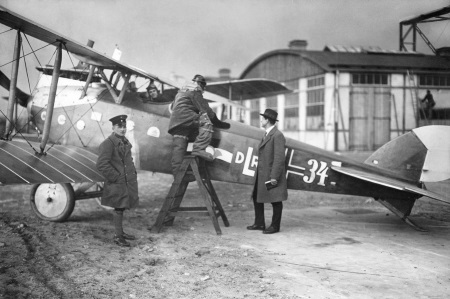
x=119, y=119
x=271, y=114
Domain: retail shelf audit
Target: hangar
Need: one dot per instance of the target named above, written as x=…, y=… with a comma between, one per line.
x=350, y=98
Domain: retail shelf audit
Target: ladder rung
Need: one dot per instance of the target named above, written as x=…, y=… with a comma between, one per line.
x=189, y=213
x=191, y=209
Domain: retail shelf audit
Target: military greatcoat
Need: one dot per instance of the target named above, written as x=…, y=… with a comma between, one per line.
x=116, y=165
x=271, y=165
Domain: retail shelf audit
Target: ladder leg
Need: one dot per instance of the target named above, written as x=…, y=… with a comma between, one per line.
x=206, y=198
x=215, y=199
x=218, y=204
x=176, y=203
x=169, y=200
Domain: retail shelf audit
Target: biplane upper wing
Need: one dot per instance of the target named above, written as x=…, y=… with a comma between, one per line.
x=82, y=52
x=234, y=90
x=389, y=182
x=19, y=164
x=245, y=89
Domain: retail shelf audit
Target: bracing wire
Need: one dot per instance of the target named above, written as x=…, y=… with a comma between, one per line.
x=6, y=31
x=42, y=107
x=442, y=32
x=27, y=54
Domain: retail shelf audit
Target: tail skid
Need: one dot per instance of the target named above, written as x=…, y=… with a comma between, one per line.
x=402, y=208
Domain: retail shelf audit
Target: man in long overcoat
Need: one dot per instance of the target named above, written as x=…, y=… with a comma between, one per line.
x=270, y=185
x=116, y=164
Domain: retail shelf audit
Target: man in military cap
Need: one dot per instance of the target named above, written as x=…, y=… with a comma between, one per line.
x=116, y=165
x=192, y=118
x=270, y=185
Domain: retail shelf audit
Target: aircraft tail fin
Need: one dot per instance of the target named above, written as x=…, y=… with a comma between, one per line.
x=422, y=155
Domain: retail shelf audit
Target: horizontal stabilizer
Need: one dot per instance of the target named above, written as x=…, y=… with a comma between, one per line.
x=389, y=182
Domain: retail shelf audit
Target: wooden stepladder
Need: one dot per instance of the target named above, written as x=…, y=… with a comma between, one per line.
x=191, y=167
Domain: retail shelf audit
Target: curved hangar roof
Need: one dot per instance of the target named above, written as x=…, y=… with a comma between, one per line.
x=332, y=58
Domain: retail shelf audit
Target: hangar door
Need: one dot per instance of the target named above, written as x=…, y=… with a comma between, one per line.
x=370, y=119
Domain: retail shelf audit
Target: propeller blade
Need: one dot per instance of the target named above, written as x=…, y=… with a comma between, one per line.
x=20, y=95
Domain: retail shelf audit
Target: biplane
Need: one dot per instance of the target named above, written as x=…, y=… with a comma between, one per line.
x=71, y=108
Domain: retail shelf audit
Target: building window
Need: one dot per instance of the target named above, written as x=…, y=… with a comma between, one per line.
x=291, y=121
x=369, y=79
x=434, y=80
x=315, y=104
x=254, y=114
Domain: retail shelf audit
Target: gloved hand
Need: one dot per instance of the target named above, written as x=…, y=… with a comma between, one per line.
x=220, y=124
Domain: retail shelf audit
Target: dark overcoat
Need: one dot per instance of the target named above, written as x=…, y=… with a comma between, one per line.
x=271, y=165
x=116, y=164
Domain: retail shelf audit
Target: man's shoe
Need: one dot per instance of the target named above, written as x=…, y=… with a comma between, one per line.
x=120, y=240
x=204, y=155
x=271, y=230
x=128, y=237
x=256, y=227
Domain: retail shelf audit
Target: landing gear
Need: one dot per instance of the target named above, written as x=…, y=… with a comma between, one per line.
x=55, y=202
x=52, y=202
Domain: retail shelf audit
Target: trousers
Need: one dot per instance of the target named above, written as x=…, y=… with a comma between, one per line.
x=277, y=208
x=181, y=139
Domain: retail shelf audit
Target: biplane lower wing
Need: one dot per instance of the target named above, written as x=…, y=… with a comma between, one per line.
x=389, y=182
x=20, y=164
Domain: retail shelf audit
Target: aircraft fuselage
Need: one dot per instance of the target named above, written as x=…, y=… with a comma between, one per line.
x=85, y=123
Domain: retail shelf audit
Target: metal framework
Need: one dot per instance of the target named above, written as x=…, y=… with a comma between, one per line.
x=409, y=28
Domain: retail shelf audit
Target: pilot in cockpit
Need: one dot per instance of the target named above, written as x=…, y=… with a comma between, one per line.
x=152, y=95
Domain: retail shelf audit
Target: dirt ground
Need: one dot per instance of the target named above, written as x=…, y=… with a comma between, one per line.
x=329, y=247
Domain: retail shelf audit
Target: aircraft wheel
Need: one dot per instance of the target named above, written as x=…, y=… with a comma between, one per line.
x=52, y=202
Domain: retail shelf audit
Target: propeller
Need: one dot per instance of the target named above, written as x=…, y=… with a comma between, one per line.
x=21, y=96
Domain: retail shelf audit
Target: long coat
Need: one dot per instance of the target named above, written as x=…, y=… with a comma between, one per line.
x=116, y=165
x=271, y=165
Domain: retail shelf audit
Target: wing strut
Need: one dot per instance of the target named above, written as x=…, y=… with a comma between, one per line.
x=13, y=85
x=117, y=99
x=88, y=81
x=51, y=97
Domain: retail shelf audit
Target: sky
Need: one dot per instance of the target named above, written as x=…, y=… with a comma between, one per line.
x=188, y=37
